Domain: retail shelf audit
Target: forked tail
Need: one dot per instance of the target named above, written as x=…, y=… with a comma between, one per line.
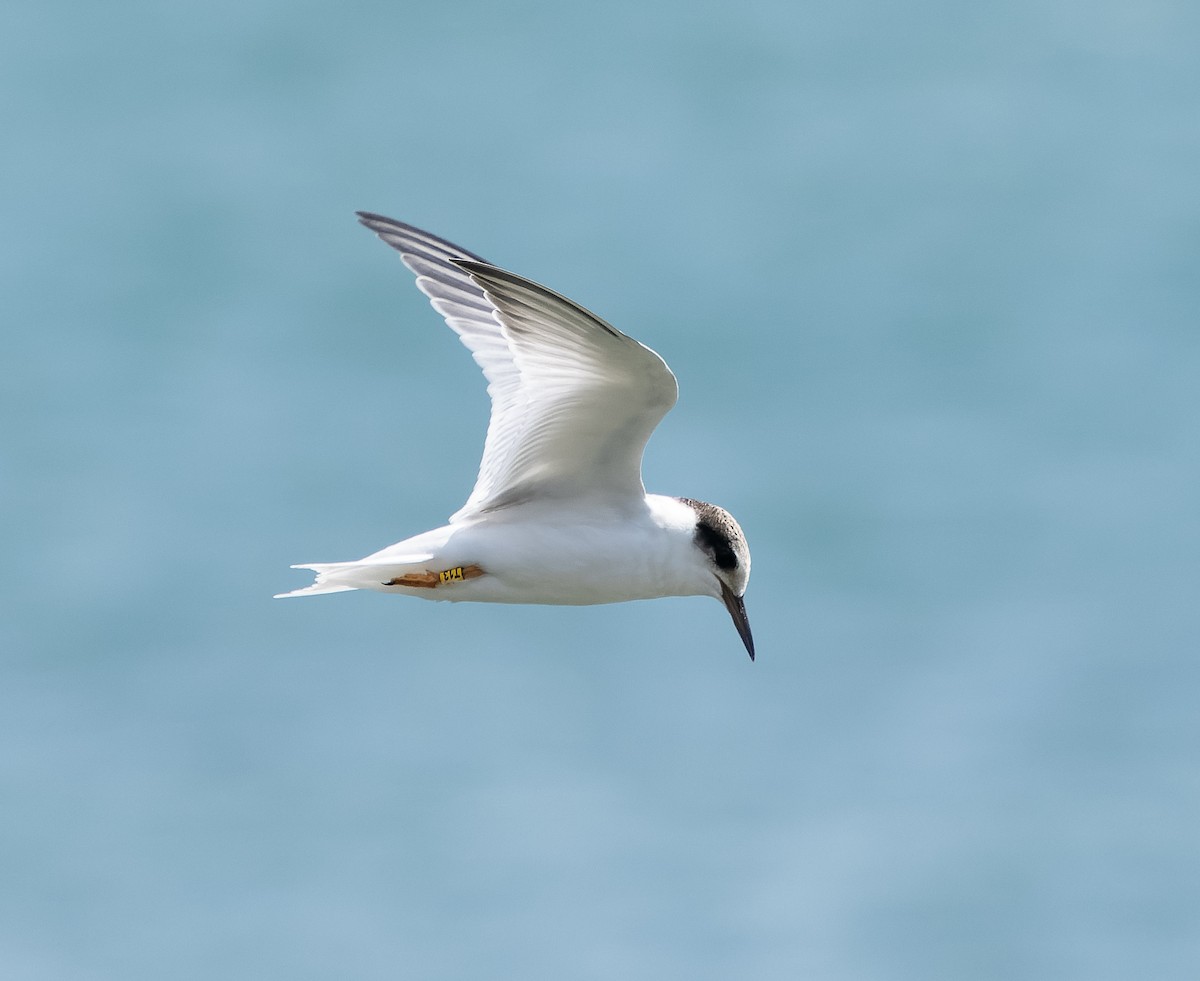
x=338, y=577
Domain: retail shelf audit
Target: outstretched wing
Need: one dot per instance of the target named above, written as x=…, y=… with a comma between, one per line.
x=573, y=399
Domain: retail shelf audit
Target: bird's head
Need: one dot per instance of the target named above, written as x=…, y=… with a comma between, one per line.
x=727, y=556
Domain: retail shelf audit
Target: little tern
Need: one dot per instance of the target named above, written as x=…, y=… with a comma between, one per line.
x=559, y=514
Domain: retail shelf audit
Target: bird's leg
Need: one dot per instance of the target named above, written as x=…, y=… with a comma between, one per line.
x=431, y=580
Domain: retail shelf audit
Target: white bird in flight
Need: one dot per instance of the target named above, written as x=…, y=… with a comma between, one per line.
x=559, y=514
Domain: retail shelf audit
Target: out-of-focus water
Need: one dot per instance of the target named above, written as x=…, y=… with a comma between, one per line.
x=928, y=278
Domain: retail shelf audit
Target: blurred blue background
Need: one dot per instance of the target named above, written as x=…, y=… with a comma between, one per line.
x=928, y=277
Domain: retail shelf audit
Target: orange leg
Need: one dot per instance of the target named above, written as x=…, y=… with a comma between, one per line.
x=431, y=580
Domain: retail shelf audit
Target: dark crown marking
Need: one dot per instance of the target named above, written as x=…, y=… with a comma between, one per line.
x=716, y=533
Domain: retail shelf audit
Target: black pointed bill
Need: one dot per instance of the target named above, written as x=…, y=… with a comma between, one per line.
x=737, y=609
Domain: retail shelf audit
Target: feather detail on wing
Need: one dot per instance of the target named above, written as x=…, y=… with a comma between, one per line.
x=573, y=399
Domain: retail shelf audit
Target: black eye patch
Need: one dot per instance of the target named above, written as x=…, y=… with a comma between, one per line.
x=713, y=541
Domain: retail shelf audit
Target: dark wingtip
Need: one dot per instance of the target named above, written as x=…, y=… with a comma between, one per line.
x=404, y=237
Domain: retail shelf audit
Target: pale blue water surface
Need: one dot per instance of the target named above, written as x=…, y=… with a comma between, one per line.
x=928, y=275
